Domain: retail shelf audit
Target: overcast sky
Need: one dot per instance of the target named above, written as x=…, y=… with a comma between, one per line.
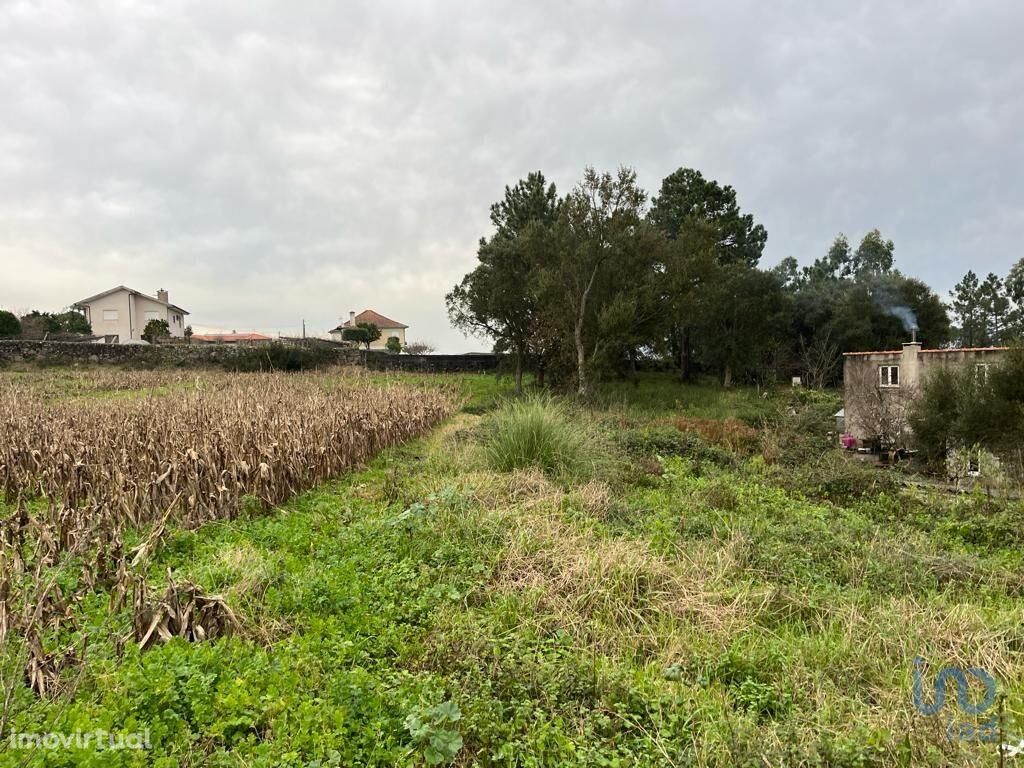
x=269, y=162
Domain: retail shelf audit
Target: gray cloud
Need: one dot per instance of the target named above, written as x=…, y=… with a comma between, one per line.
x=268, y=162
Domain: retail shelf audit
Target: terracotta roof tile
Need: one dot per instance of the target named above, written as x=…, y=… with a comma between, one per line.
x=369, y=316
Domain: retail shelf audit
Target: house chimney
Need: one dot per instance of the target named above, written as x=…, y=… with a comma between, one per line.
x=162, y=296
x=351, y=318
x=910, y=363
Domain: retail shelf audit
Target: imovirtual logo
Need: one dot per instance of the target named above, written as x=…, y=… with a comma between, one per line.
x=972, y=703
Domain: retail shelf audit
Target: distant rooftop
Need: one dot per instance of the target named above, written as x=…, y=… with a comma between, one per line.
x=91, y=299
x=376, y=318
x=945, y=351
x=229, y=338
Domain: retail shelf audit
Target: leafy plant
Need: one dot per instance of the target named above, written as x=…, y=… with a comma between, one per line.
x=156, y=330
x=9, y=323
x=431, y=733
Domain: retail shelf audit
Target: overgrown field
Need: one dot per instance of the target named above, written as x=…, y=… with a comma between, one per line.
x=671, y=576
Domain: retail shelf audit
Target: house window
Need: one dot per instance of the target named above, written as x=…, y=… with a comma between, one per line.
x=110, y=314
x=888, y=375
x=151, y=315
x=177, y=319
x=981, y=373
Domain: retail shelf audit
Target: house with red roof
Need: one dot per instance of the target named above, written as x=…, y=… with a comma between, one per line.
x=387, y=326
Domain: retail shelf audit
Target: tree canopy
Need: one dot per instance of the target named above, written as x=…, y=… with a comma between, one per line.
x=597, y=282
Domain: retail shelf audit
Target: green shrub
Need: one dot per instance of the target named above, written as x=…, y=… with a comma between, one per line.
x=155, y=330
x=960, y=409
x=839, y=479
x=279, y=357
x=540, y=433
x=9, y=324
x=669, y=441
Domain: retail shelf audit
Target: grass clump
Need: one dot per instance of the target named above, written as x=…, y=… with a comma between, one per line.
x=541, y=433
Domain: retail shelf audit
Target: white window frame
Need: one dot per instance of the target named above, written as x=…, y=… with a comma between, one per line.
x=151, y=314
x=111, y=315
x=886, y=380
x=981, y=372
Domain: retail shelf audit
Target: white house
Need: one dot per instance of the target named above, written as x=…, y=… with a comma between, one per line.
x=124, y=312
x=387, y=326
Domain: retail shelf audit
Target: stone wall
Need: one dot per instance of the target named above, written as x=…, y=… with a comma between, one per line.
x=199, y=355
x=138, y=355
x=387, y=361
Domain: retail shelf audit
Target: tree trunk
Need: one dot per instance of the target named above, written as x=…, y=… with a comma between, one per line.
x=519, y=372
x=581, y=356
x=581, y=360
x=685, y=354
x=727, y=376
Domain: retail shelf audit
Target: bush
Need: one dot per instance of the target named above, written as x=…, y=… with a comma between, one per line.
x=155, y=330
x=539, y=433
x=839, y=479
x=959, y=409
x=357, y=335
x=280, y=357
x=9, y=324
x=669, y=441
x=393, y=345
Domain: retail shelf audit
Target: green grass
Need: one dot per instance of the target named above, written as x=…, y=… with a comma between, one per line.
x=676, y=605
x=542, y=433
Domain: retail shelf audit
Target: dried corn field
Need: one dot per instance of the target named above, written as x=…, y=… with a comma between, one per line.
x=91, y=461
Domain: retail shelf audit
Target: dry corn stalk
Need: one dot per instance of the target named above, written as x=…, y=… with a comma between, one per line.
x=94, y=468
x=182, y=611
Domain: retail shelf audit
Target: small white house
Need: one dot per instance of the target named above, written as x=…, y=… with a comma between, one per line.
x=387, y=326
x=124, y=312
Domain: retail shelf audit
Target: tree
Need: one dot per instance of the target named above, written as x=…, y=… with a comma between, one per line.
x=874, y=256
x=38, y=325
x=9, y=324
x=959, y=409
x=372, y=332
x=418, y=348
x=1015, y=292
x=690, y=264
x=1015, y=283
x=357, y=335
x=156, y=330
x=72, y=322
x=982, y=309
x=686, y=196
x=496, y=300
x=742, y=319
x=849, y=301
x=393, y=345
x=188, y=333
x=995, y=305
x=600, y=224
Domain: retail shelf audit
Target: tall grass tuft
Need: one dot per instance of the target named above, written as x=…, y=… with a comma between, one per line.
x=541, y=433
